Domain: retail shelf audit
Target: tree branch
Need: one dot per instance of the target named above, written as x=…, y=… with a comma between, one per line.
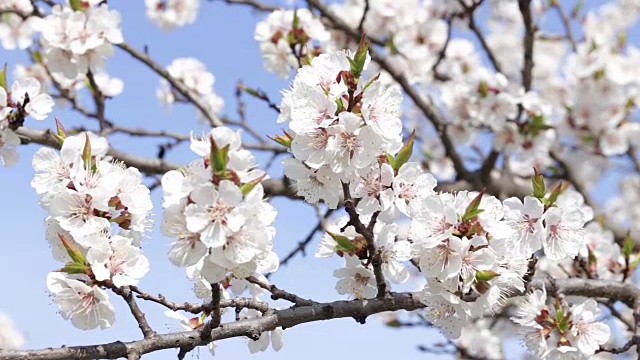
x=253, y=4
x=127, y=295
x=367, y=232
x=474, y=28
x=284, y=318
x=529, y=32
x=294, y=316
x=98, y=99
x=216, y=294
x=364, y=17
x=566, y=23
x=238, y=303
x=277, y=293
x=178, y=85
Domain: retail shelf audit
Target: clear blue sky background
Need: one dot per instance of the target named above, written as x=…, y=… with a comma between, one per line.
x=222, y=38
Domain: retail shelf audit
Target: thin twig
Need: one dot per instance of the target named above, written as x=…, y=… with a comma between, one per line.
x=126, y=293
x=469, y=11
x=442, y=53
x=566, y=23
x=176, y=84
x=253, y=4
x=364, y=16
x=618, y=315
x=98, y=99
x=367, y=232
x=277, y=293
x=238, y=303
x=300, y=248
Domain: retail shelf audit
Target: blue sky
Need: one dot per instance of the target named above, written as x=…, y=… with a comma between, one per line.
x=222, y=38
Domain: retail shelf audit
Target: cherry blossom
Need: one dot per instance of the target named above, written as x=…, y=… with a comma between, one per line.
x=10, y=337
x=168, y=14
x=76, y=42
x=284, y=35
x=120, y=262
x=8, y=142
x=87, y=306
x=196, y=78
x=355, y=280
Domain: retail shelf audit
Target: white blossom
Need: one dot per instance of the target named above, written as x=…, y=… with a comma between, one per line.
x=87, y=306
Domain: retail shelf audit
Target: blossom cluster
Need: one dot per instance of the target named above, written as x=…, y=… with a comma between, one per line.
x=472, y=249
x=194, y=75
x=339, y=127
x=24, y=98
x=10, y=337
x=73, y=42
x=286, y=37
x=168, y=14
x=76, y=41
x=98, y=215
x=16, y=31
x=601, y=255
x=215, y=210
x=559, y=331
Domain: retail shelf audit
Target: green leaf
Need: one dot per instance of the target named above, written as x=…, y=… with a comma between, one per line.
x=360, y=57
x=369, y=82
x=75, y=254
x=472, y=209
x=405, y=152
x=218, y=157
x=247, y=187
x=537, y=124
x=37, y=57
x=483, y=89
x=86, y=152
x=75, y=268
x=250, y=91
x=57, y=137
x=296, y=20
x=75, y=5
x=592, y=260
x=390, y=44
x=3, y=78
x=555, y=193
x=60, y=129
x=282, y=140
x=393, y=323
x=344, y=244
x=537, y=181
x=563, y=322
x=486, y=275
x=470, y=215
x=391, y=160
x=627, y=245
x=340, y=105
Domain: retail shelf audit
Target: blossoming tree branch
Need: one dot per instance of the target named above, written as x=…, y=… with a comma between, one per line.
x=453, y=175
